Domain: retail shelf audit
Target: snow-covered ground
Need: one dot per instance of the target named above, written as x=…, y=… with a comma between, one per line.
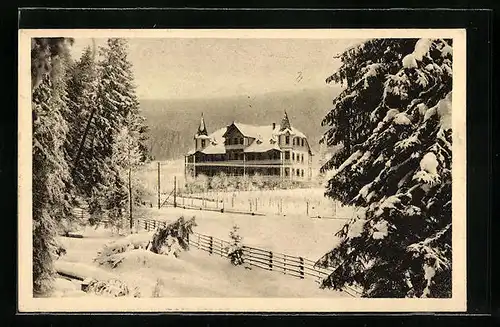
x=294, y=235
x=194, y=274
x=297, y=202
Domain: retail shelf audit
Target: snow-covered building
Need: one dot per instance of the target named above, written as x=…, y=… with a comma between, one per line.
x=276, y=150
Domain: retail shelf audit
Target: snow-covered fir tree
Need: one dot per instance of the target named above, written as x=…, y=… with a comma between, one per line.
x=119, y=129
x=82, y=93
x=393, y=121
x=51, y=174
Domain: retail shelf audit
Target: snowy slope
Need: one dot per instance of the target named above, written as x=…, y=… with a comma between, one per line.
x=193, y=274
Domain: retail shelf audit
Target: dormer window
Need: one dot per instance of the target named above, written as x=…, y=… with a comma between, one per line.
x=302, y=142
x=287, y=139
x=202, y=143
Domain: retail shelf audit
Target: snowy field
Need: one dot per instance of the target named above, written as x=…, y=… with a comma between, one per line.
x=194, y=274
x=294, y=235
x=306, y=202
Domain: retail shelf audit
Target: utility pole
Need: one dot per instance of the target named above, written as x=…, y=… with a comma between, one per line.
x=130, y=196
x=159, y=203
x=175, y=191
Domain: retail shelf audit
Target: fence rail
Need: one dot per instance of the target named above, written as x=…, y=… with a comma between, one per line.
x=255, y=206
x=290, y=265
x=81, y=213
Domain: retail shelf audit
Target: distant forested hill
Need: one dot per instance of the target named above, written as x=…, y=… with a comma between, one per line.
x=173, y=122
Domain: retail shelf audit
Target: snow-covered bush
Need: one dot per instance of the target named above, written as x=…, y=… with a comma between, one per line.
x=174, y=237
x=110, y=288
x=235, y=250
x=110, y=254
x=257, y=180
x=216, y=182
x=393, y=122
x=157, y=290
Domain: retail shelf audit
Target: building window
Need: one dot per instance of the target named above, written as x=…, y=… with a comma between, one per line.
x=298, y=172
x=241, y=141
x=293, y=156
x=287, y=139
x=293, y=141
x=302, y=158
x=302, y=142
x=235, y=141
x=202, y=143
x=287, y=171
x=228, y=141
x=287, y=155
x=302, y=172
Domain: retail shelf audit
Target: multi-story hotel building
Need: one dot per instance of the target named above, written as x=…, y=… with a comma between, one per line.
x=241, y=149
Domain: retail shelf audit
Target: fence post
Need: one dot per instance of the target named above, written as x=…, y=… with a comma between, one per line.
x=270, y=260
x=211, y=246
x=307, y=210
x=301, y=267
x=159, y=189
x=175, y=191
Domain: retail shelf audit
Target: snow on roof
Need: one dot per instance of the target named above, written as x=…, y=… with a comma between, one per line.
x=255, y=131
x=265, y=138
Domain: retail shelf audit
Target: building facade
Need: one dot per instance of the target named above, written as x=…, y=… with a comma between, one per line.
x=274, y=151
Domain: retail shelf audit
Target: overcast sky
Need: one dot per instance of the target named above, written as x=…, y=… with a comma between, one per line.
x=197, y=67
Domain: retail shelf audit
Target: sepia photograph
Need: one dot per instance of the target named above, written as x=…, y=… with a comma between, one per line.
x=242, y=170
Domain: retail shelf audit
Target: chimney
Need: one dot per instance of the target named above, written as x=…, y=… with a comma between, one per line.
x=274, y=126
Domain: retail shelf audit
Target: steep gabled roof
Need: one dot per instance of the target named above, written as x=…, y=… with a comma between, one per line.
x=265, y=138
x=216, y=145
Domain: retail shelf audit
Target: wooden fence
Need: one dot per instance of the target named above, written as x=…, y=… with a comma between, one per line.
x=253, y=206
x=148, y=224
x=293, y=266
x=81, y=213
